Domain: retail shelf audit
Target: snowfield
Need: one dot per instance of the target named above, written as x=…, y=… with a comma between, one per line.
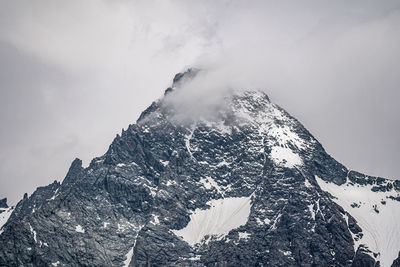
x=376, y=214
x=223, y=215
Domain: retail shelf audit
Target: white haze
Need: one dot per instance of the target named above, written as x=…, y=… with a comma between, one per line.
x=74, y=73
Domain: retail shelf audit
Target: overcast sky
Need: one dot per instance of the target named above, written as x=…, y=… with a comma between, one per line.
x=74, y=73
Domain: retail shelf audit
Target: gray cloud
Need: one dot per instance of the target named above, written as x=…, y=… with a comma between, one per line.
x=74, y=73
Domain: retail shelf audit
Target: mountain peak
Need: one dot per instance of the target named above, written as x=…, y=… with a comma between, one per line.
x=190, y=73
x=228, y=178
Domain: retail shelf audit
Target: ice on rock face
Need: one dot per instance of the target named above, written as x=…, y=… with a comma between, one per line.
x=379, y=222
x=223, y=216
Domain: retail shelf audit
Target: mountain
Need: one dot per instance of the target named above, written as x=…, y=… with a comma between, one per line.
x=246, y=185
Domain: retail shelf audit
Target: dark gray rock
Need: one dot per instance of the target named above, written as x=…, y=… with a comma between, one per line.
x=363, y=259
x=3, y=203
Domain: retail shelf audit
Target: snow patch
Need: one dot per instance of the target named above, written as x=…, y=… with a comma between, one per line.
x=205, y=183
x=307, y=184
x=223, y=163
x=379, y=222
x=125, y=225
x=164, y=163
x=262, y=222
x=155, y=219
x=311, y=208
x=287, y=253
x=4, y=216
x=209, y=182
x=194, y=258
x=170, y=182
x=223, y=215
x=53, y=197
x=244, y=235
x=33, y=232
x=79, y=229
x=284, y=136
x=285, y=157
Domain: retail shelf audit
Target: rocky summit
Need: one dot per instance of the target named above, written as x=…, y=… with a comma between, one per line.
x=246, y=185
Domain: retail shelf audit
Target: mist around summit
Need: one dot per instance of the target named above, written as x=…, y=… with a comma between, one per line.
x=217, y=147
x=245, y=184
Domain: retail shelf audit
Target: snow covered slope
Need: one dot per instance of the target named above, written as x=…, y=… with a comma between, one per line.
x=377, y=213
x=223, y=215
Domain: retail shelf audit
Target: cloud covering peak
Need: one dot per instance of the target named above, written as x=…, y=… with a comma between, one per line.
x=74, y=73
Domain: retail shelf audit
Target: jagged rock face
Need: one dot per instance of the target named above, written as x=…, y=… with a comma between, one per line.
x=242, y=188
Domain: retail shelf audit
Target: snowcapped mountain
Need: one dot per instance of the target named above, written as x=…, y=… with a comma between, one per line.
x=246, y=185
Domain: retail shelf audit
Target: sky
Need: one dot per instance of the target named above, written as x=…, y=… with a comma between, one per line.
x=74, y=73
